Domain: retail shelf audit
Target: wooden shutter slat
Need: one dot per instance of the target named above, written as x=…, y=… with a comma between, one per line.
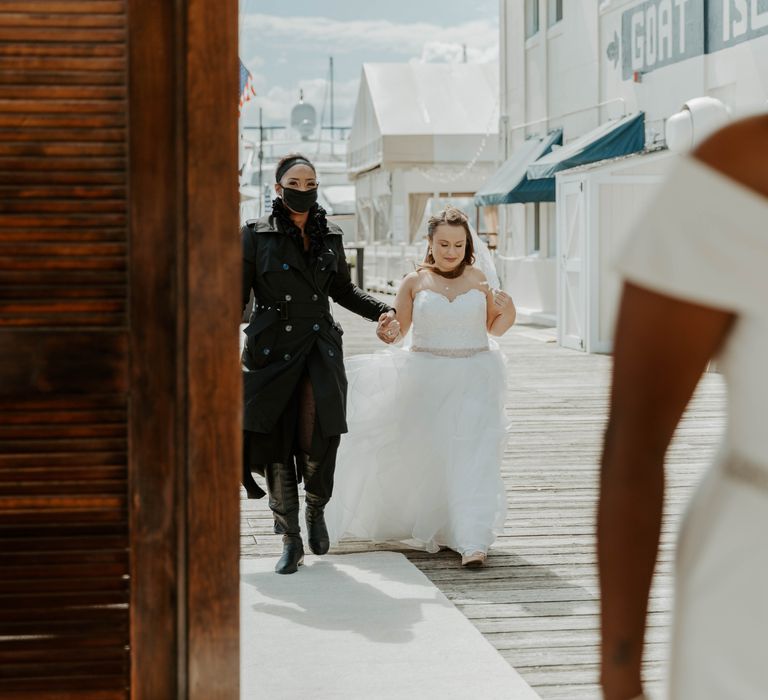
x=62, y=177
x=94, y=279
x=75, y=542
x=58, y=684
x=65, y=6
x=52, y=64
x=41, y=294
x=62, y=488
x=73, y=49
x=85, y=694
x=74, y=571
x=72, y=517
x=62, y=106
x=54, y=151
x=84, y=78
x=26, y=652
x=68, y=429
x=60, y=20
x=63, y=248
x=64, y=121
x=62, y=405
x=45, y=35
x=63, y=135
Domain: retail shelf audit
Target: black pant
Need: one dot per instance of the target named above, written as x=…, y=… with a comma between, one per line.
x=296, y=441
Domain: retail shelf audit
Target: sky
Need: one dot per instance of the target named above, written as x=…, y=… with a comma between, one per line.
x=286, y=46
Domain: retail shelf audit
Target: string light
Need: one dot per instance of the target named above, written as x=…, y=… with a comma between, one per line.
x=445, y=175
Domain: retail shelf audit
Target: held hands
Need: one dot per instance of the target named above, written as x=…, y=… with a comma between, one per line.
x=388, y=329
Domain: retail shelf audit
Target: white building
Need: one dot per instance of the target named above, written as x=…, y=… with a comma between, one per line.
x=421, y=133
x=576, y=65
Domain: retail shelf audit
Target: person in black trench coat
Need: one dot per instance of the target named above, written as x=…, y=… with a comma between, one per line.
x=293, y=367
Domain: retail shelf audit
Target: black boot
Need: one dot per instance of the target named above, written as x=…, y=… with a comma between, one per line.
x=317, y=532
x=293, y=555
x=284, y=502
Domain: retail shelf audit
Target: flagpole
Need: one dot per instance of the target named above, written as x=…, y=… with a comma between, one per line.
x=261, y=161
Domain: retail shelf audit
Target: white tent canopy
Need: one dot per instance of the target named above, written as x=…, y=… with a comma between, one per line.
x=424, y=113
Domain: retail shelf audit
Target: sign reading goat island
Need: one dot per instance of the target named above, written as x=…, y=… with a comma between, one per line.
x=658, y=33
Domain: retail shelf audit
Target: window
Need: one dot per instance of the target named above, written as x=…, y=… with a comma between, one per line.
x=531, y=18
x=541, y=229
x=551, y=215
x=533, y=229
x=554, y=11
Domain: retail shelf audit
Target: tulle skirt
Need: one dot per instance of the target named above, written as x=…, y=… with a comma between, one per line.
x=421, y=462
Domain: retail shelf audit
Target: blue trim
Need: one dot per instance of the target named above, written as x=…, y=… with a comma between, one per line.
x=610, y=140
x=510, y=184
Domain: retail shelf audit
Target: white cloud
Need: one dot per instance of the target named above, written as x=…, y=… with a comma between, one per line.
x=254, y=63
x=443, y=52
x=351, y=35
x=421, y=42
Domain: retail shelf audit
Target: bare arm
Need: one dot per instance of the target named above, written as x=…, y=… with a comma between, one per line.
x=404, y=302
x=504, y=313
x=661, y=349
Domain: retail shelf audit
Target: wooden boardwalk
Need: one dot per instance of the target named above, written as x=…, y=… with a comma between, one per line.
x=536, y=601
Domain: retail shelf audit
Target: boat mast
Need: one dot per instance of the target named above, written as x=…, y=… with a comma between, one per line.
x=332, y=125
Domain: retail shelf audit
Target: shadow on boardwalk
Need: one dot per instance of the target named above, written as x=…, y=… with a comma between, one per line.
x=536, y=601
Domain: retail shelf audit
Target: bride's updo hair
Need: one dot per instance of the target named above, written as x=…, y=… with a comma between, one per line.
x=453, y=217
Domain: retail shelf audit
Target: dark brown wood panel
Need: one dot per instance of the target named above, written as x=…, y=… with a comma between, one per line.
x=214, y=379
x=44, y=567
x=43, y=361
x=67, y=6
x=64, y=391
x=119, y=383
x=158, y=588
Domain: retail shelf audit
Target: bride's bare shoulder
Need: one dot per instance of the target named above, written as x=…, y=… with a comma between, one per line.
x=411, y=281
x=476, y=277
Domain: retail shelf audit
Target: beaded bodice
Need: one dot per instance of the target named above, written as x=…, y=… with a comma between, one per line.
x=450, y=327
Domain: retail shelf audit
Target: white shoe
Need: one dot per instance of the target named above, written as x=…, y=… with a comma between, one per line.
x=473, y=560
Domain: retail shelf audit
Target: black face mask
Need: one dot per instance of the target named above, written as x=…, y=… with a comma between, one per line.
x=298, y=200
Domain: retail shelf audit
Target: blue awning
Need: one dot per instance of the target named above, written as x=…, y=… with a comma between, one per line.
x=510, y=184
x=609, y=140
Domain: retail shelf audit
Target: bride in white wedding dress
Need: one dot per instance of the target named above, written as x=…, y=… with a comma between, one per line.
x=421, y=462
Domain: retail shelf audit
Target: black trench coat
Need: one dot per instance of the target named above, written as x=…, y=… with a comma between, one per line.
x=291, y=329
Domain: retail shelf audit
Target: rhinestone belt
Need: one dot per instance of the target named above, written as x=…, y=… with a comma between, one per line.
x=444, y=352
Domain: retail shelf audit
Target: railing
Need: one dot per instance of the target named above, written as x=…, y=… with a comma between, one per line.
x=386, y=264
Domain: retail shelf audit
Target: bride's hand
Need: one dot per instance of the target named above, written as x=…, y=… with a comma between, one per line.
x=502, y=301
x=388, y=329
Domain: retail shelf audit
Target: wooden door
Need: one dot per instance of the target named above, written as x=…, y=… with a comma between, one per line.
x=119, y=384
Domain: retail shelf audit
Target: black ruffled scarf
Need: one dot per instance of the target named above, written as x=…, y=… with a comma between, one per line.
x=316, y=227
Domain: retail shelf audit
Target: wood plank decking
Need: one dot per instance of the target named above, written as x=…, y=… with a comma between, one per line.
x=536, y=601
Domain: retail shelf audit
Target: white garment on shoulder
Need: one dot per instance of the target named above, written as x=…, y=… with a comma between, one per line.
x=704, y=240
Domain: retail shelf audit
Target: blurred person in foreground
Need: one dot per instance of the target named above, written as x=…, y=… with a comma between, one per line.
x=696, y=287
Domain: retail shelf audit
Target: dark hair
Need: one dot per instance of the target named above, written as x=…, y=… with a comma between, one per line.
x=287, y=162
x=452, y=217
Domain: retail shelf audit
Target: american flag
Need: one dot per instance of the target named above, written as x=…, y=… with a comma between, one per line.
x=246, y=85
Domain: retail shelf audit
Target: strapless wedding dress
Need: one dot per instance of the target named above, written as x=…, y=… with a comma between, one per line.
x=421, y=462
